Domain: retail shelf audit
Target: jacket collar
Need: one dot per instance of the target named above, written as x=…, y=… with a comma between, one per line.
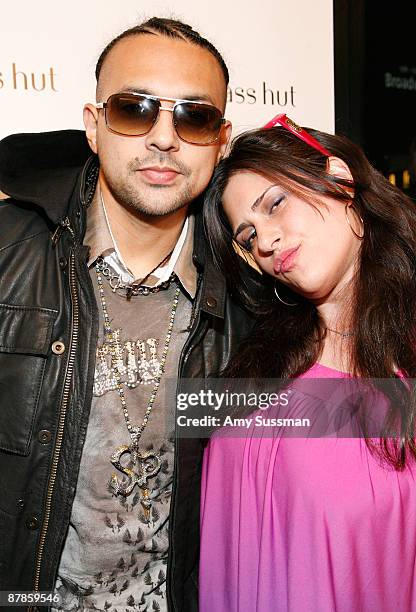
x=43, y=168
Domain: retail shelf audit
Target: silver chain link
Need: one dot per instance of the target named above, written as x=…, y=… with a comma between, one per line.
x=135, y=432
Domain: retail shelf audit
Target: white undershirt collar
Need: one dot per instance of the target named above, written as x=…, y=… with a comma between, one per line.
x=115, y=259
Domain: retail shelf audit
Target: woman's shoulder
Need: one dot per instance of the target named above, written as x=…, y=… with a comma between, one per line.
x=318, y=370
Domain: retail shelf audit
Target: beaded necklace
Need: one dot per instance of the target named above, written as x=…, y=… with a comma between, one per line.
x=142, y=465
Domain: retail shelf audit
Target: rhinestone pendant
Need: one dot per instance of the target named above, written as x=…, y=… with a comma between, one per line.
x=141, y=466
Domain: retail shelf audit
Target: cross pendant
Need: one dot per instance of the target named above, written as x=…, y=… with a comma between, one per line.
x=141, y=466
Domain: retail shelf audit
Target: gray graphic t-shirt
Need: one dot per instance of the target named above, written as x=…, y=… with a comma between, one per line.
x=115, y=553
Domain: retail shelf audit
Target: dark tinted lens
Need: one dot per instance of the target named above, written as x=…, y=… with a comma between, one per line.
x=197, y=123
x=131, y=115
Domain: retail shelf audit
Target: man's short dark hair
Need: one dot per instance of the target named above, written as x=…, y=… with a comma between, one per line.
x=166, y=27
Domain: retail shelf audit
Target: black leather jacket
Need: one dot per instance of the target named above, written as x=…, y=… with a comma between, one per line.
x=48, y=337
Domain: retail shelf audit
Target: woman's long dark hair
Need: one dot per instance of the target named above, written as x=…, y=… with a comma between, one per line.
x=287, y=341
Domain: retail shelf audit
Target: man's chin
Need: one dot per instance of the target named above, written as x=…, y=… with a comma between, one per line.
x=157, y=209
x=151, y=202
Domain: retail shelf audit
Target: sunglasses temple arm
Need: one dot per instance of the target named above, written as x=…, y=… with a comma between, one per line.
x=284, y=121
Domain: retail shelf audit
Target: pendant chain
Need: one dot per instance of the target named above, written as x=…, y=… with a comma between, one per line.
x=135, y=432
x=347, y=334
x=135, y=288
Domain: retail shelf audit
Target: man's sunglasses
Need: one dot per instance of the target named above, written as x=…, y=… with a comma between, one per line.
x=134, y=114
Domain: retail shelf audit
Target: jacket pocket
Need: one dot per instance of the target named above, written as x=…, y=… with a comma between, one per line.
x=25, y=338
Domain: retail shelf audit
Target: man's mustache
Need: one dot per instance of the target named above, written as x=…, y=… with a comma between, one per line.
x=158, y=160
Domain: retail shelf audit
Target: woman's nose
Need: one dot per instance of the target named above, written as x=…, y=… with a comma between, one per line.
x=266, y=240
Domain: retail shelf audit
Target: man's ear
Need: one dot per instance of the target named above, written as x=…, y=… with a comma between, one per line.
x=339, y=169
x=225, y=137
x=90, y=115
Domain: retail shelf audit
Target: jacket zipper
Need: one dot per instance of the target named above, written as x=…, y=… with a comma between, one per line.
x=183, y=358
x=65, y=224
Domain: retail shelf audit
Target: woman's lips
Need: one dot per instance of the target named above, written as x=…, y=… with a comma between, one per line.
x=285, y=260
x=159, y=176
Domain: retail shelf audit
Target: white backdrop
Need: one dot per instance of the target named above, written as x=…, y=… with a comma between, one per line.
x=279, y=52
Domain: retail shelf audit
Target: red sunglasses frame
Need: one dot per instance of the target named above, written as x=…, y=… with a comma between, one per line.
x=291, y=126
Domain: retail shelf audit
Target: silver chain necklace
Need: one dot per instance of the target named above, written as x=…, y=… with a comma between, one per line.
x=346, y=334
x=142, y=465
x=135, y=288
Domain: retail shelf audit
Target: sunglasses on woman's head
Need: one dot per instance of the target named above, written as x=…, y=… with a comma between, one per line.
x=134, y=114
x=295, y=129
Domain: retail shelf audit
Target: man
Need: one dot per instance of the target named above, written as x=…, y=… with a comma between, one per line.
x=107, y=293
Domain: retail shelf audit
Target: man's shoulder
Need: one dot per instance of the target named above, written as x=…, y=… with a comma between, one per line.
x=20, y=221
x=42, y=170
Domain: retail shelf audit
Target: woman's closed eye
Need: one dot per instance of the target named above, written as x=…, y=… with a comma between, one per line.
x=267, y=204
x=274, y=203
x=246, y=237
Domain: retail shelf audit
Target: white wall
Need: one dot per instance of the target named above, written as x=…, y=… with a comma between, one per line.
x=280, y=55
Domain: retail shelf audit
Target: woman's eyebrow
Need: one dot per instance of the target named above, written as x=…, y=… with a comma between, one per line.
x=259, y=199
x=240, y=228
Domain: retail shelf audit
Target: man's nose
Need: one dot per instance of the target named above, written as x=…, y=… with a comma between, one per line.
x=163, y=136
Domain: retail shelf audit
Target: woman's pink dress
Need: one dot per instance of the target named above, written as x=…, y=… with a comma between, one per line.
x=305, y=525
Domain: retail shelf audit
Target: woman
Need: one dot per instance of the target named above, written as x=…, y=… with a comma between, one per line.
x=314, y=524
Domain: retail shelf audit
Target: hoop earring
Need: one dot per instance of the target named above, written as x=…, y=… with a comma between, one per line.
x=280, y=299
x=348, y=221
